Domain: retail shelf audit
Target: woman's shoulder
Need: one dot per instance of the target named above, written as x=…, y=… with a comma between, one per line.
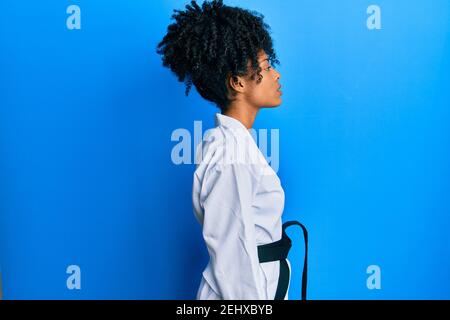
x=222, y=149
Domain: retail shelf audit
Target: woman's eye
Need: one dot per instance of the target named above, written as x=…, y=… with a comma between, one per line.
x=269, y=67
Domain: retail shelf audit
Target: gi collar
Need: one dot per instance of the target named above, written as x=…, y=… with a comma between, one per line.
x=229, y=122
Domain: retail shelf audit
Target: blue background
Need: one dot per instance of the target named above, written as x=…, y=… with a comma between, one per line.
x=86, y=175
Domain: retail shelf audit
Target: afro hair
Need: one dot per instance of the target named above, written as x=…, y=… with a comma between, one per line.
x=206, y=45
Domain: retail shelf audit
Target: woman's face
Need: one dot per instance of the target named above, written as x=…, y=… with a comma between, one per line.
x=264, y=93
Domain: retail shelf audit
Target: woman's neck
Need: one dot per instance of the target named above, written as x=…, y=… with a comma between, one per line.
x=246, y=115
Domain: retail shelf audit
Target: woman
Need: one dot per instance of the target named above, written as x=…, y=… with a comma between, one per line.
x=227, y=53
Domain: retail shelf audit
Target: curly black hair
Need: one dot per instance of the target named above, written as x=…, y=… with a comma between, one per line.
x=208, y=44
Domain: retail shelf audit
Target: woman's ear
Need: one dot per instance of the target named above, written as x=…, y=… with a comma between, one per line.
x=235, y=82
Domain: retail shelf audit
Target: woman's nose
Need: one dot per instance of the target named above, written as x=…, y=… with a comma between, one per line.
x=278, y=75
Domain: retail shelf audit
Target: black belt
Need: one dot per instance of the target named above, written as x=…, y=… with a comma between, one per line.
x=278, y=251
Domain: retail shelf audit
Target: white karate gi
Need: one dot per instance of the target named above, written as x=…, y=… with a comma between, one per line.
x=238, y=200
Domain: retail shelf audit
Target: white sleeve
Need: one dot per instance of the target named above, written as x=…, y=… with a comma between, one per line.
x=229, y=232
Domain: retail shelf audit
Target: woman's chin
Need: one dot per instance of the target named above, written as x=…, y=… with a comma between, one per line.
x=273, y=105
x=279, y=102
